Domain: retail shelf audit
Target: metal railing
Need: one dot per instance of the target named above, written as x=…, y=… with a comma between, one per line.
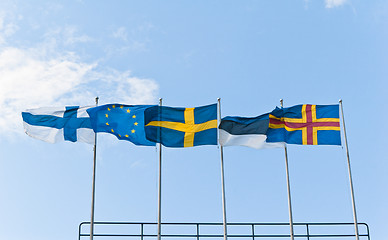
x=148, y=231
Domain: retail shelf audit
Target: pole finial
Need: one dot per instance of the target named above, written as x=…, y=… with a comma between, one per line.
x=340, y=101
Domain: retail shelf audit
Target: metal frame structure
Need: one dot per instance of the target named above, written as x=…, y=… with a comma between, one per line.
x=253, y=233
x=311, y=230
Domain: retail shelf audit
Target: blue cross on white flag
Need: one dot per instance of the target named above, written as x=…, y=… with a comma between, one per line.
x=59, y=124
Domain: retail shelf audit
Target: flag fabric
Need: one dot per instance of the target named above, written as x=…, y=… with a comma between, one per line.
x=126, y=122
x=305, y=124
x=182, y=127
x=59, y=124
x=243, y=131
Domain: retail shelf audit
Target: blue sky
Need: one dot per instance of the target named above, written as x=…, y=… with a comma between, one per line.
x=248, y=53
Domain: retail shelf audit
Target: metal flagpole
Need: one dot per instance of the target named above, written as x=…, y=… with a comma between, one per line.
x=160, y=185
x=350, y=174
x=93, y=182
x=222, y=177
x=288, y=187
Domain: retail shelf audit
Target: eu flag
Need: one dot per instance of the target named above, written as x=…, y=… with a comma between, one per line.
x=305, y=124
x=126, y=122
x=181, y=127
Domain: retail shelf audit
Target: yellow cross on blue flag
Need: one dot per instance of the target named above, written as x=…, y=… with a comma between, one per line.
x=126, y=122
x=181, y=127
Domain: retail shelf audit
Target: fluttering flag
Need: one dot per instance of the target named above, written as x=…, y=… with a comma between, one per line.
x=182, y=127
x=243, y=131
x=126, y=122
x=59, y=124
x=305, y=124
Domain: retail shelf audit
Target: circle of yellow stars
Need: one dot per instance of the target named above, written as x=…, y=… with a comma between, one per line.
x=128, y=111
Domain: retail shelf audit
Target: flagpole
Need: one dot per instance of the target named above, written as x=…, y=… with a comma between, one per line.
x=288, y=187
x=350, y=174
x=93, y=182
x=222, y=178
x=160, y=185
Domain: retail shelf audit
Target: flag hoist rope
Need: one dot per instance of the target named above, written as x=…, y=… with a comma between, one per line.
x=350, y=174
x=93, y=182
x=222, y=178
x=288, y=187
x=160, y=182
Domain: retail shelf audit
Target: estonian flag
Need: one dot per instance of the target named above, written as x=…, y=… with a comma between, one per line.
x=249, y=132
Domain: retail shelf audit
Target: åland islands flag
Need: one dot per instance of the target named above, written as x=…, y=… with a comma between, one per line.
x=181, y=127
x=305, y=124
x=59, y=124
x=126, y=122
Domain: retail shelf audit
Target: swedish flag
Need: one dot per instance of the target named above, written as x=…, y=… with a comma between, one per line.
x=181, y=127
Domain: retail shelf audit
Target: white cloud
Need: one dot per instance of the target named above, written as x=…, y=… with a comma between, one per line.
x=71, y=36
x=306, y=4
x=121, y=86
x=121, y=33
x=47, y=75
x=30, y=80
x=68, y=35
x=6, y=29
x=334, y=3
x=134, y=40
x=26, y=77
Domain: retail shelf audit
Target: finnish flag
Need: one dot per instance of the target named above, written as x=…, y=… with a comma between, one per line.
x=59, y=124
